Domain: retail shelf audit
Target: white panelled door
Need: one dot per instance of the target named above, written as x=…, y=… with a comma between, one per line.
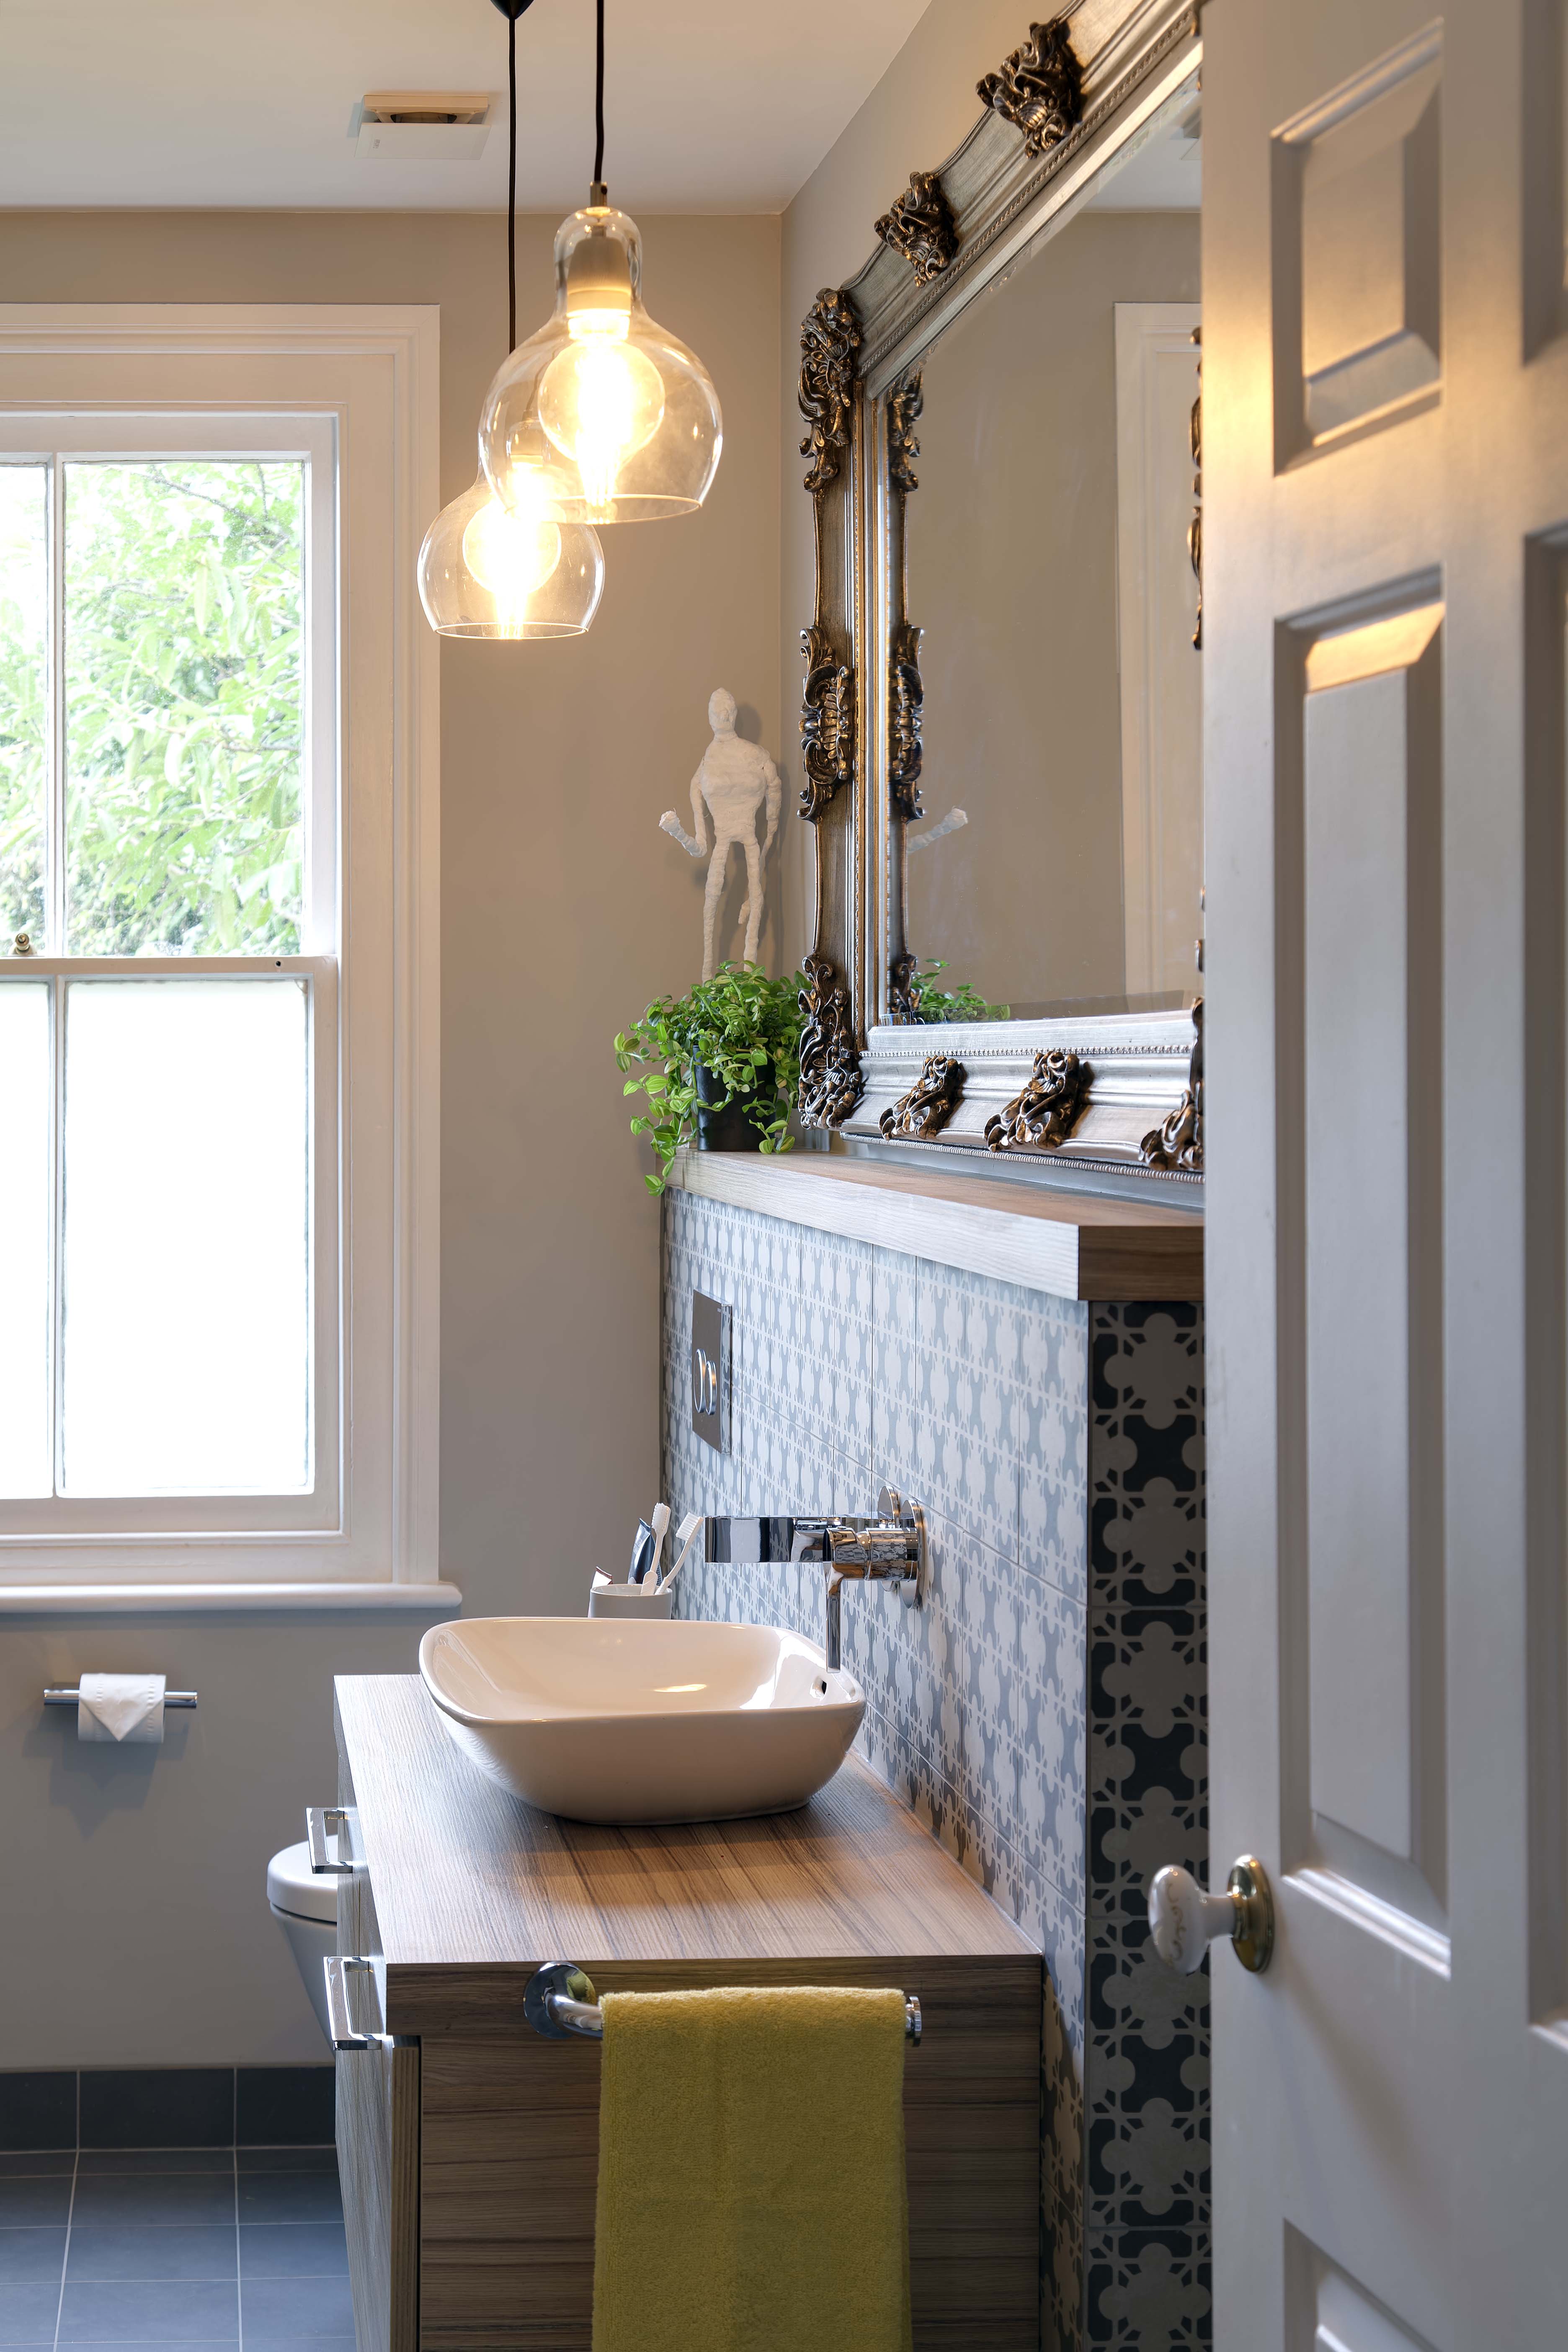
x=1386, y=551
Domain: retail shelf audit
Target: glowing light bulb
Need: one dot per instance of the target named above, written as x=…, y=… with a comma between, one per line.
x=511, y=554
x=600, y=401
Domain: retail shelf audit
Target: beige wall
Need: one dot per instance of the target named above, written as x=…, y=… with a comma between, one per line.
x=563, y=909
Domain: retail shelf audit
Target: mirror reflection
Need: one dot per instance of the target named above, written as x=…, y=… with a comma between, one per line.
x=1057, y=864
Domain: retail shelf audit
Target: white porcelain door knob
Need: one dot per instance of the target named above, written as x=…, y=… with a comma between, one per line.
x=1183, y=1921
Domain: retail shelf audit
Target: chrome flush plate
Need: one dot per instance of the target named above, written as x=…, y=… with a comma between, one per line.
x=711, y=1371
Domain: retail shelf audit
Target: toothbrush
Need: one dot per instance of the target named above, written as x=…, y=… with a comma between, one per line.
x=685, y=1535
x=659, y=1523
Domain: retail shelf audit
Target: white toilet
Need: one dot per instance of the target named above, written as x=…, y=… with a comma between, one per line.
x=306, y=1907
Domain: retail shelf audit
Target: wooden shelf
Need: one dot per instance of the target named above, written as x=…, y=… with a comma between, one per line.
x=1072, y=1245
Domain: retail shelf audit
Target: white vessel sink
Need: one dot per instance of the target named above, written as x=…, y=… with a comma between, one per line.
x=606, y=1719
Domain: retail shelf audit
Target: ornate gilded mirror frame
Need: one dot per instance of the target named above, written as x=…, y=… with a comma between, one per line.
x=1094, y=1096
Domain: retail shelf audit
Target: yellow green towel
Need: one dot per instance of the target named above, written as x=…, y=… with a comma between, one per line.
x=753, y=2195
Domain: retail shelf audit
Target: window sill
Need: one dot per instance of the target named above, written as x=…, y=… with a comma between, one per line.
x=216, y=1600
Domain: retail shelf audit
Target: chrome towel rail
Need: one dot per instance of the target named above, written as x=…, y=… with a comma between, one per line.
x=560, y=2003
x=73, y=1698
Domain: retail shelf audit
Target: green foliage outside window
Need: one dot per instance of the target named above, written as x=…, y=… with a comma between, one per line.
x=183, y=664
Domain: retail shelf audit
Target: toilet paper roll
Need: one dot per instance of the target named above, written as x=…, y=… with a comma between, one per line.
x=127, y=1708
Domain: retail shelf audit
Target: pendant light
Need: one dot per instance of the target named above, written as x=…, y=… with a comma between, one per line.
x=526, y=569
x=627, y=414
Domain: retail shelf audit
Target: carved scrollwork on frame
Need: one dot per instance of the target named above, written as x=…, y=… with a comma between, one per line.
x=829, y=339
x=1042, y=1115
x=904, y=415
x=906, y=691
x=1178, y=1140
x=906, y=697
x=1196, y=528
x=827, y=723
x=921, y=227
x=830, y=1081
x=1040, y=87
x=903, y=990
x=929, y=1103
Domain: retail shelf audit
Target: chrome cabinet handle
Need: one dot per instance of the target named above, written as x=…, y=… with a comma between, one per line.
x=1183, y=1921
x=346, y=2034
x=322, y=1822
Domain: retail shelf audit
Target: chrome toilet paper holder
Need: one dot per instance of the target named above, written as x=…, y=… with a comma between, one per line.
x=73, y=1698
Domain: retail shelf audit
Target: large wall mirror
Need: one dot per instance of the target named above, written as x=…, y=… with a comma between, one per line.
x=1005, y=661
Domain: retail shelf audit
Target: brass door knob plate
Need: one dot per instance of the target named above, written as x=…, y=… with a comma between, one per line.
x=1183, y=1921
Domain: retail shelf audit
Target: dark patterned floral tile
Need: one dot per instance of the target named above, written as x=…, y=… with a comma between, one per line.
x=1147, y=2084
x=1149, y=2290
x=1146, y=1480
x=1148, y=1748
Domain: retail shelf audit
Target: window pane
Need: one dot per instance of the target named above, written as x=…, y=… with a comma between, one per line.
x=184, y=706
x=186, y=1237
x=24, y=1415
x=24, y=698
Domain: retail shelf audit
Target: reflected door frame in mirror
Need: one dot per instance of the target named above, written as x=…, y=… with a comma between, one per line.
x=1079, y=1098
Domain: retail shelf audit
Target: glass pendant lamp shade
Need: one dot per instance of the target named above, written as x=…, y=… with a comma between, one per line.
x=630, y=416
x=486, y=570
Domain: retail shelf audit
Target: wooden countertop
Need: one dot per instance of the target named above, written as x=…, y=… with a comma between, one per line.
x=1072, y=1245
x=474, y=1890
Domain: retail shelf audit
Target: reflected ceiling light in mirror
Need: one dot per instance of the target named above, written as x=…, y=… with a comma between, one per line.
x=526, y=569
x=631, y=414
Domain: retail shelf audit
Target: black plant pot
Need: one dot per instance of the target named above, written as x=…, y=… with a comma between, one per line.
x=729, y=1129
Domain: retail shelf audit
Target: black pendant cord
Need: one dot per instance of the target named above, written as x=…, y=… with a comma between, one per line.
x=599, y=102
x=511, y=183
x=512, y=10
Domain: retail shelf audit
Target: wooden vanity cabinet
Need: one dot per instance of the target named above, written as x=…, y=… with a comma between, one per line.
x=468, y=2146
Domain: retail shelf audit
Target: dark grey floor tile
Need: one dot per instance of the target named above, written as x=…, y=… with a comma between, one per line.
x=290, y=2196
x=205, y=2252
x=254, y=2342
x=298, y=2310
x=38, y=2110
x=154, y=2106
x=287, y=2159
x=122, y=2344
x=162, y=2313
x=27, y=2314
x=30, y=2204
x=285, y=2106
x=31, y=2257
x=35, y=2161
x=152, y=2198
x=293, y=2250
x=156, y=2159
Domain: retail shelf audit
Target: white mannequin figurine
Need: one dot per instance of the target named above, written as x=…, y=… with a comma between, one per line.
x=734, y=780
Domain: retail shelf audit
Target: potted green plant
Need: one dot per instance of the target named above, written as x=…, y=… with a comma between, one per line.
x=719, y=1064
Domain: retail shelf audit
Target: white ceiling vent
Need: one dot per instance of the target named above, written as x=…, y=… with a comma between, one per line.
x=422, y=126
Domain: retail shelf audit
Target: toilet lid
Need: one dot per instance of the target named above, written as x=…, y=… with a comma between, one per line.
x=293, y=1885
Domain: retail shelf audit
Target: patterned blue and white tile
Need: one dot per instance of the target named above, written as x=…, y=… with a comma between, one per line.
x=801, y=1340
x=1053, y=1519
x=1147, y=1530
x=1147, y=2290
x=1024, y=1716
x=947, y=1409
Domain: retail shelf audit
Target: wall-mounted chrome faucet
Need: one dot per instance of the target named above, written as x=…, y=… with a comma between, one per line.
x=887, y=1549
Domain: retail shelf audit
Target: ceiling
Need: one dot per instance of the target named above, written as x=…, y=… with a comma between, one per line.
x=711, y=105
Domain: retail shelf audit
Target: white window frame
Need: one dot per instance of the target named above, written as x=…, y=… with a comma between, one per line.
x=354, y=391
